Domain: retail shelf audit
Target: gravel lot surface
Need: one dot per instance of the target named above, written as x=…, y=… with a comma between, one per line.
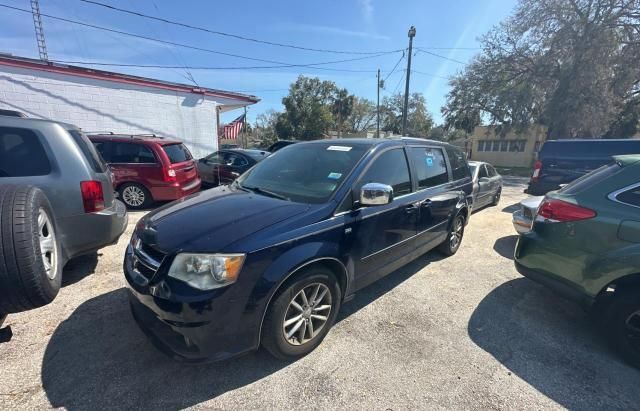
x=461, y=332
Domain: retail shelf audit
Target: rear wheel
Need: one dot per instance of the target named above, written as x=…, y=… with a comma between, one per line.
x=623, y=323
x=496, y=198
x=301, y=315
x=454, y=238
x=30, y=250
x=135, y=196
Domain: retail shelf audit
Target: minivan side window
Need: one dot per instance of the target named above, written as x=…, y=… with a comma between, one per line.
x=459, y=166
x=22, y=154
x=631, y=197
x=132, y=153
x=389, y=168
x=431, y=168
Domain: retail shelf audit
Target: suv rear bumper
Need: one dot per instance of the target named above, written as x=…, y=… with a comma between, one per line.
x=527, y=246
x=85, y=233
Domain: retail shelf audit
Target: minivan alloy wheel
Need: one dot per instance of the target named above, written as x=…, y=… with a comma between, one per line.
x=133, y=196
x=456, y=233
x=48, y=248
x=307, y=314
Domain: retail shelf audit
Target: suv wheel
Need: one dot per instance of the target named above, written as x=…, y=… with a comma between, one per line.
x=30, y=250
x=451, y=245
x=301, y=315
x=624, y=325
x=135, y=196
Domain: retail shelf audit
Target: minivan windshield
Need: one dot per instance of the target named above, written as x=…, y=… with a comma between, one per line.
x=305, y=173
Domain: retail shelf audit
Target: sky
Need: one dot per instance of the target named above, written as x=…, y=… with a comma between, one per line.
x=450, y=29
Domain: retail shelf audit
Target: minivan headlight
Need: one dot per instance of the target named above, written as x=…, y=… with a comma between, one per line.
x=207, y=271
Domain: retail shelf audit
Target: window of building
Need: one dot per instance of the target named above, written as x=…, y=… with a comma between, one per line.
x=430, y=166
x=389, y=168
x=517, y=146
x=481, y=145
x=504, y=145
x=22, y=154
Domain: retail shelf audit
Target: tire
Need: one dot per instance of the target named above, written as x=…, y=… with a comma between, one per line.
x=274, y=339
x=451, y=244
x=26, y=225
x=496, y=198
x=135, y=196
x=623, y=325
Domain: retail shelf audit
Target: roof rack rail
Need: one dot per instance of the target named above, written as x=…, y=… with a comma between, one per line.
x=97, y=132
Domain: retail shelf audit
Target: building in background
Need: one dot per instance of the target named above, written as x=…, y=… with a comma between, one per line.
x=513, y=149
x=102, y=101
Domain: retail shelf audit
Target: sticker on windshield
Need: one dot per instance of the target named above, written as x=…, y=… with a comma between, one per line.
x=334, y=176
x=339, y=148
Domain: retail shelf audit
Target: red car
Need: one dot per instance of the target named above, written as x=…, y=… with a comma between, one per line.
x=148, y=168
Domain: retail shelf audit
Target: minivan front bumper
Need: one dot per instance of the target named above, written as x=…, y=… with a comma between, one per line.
x=211, y=327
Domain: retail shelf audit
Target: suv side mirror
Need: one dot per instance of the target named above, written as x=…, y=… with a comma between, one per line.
x=373, y=194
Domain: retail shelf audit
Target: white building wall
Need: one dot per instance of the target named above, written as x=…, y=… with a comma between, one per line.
x=100, y=105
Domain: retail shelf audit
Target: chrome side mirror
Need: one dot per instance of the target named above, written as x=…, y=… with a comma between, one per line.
x=373, y=194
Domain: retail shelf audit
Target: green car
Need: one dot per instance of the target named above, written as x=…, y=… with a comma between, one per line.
x=585, y=244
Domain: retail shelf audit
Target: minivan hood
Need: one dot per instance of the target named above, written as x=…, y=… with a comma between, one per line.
x=211, y=220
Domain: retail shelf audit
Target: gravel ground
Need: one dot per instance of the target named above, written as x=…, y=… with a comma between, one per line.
x=461, y=332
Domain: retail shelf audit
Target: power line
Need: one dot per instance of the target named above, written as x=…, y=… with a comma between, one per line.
x=429, y=74
x=310, y=65
x=440, y=56
x=236, y=36
x=394, y=68
x=448, y=48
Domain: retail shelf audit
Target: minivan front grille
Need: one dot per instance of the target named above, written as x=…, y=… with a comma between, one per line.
x=146, y=259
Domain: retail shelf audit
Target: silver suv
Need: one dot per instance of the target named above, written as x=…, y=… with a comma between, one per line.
x=56, y=203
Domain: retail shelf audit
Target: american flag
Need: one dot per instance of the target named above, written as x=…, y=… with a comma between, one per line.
x=231, y=130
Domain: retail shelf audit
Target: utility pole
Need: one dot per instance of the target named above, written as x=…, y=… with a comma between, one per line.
x=412, y=34
x=378, y=107
x=37, y=23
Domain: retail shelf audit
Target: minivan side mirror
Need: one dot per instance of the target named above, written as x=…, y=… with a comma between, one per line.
x=374, y=194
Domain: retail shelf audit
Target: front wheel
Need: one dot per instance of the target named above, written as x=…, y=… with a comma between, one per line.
x=301, y=315
x=454, y=238
x=624, y=325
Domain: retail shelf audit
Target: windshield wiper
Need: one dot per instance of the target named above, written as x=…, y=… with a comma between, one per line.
x=262, y=191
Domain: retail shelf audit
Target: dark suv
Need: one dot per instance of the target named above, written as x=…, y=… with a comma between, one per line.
x=270, y=258
x=148, y=168
x=562, y=161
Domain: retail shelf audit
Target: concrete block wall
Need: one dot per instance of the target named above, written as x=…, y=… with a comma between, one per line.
x=100, y=105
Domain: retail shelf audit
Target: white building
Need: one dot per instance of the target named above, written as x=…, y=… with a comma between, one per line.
x=102, y=101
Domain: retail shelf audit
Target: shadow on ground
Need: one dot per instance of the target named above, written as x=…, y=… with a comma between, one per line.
x=552, y=345
x=506, y=246
x=98, y=358
x=79, y=268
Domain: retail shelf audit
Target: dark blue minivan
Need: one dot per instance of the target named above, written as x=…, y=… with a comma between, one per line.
x=269, y=259
x=562, y=161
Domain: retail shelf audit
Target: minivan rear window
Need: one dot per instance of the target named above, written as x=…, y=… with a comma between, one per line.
x=22, y=154
x=177, y=153
x=588, y=180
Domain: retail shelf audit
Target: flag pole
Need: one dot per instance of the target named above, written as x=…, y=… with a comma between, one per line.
x=244, y=126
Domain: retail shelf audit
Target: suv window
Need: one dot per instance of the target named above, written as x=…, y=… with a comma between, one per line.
x=389, y=168
x=132, y=153
x=22, y=154
x=590, y=179
x=631, y=196
x=458, y=163
x=88, y=150
x=431, y=168
x=177, y=153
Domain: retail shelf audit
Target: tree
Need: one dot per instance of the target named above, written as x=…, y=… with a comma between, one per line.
x=265, y=128
x=419, y=121
x=571, y=65
x=363, y=115
x=307, y=114
x=341, y=108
